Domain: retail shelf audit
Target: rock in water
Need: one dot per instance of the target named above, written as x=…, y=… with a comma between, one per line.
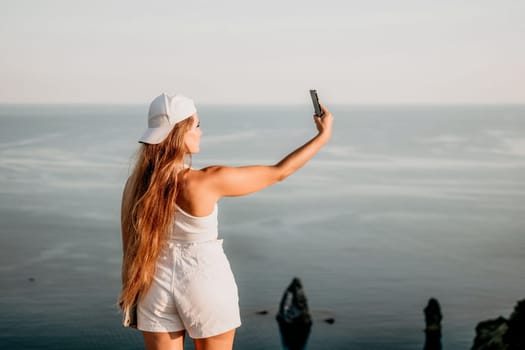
x=433, y=319
x=515, y=335
x=330, y=320
x=294, y=317
x=502, y=334
x=489, y=335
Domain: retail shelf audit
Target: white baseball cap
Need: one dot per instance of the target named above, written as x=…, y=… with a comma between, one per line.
x=164, y=112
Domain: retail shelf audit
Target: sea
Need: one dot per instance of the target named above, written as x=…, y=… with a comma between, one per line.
x=405, y=203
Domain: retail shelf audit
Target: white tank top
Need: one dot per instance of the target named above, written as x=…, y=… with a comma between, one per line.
x=189, y=228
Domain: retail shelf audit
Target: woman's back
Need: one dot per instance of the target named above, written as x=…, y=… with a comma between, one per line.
x=189, y=228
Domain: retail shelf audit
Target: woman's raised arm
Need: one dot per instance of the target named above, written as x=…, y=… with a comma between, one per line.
x=225, y=181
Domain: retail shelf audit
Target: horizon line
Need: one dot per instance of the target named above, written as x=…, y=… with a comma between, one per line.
x=260, y=104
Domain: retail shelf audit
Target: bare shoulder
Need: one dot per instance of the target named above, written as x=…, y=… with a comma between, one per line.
x=210, y=173
x=194, y=194
x=213, y=173
x=188, y=178
x=201, y=180
x=198, y=177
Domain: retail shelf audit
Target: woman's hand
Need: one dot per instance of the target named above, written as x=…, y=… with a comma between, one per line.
x=324, y=124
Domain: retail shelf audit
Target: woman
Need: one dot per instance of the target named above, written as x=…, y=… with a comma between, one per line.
x=174, y=269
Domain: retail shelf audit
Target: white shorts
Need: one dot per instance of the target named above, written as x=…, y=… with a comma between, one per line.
x=193, y=289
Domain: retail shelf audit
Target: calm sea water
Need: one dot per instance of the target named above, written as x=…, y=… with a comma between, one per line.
x=404, y=204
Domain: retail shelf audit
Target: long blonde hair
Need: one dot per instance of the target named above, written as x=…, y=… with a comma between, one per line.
x=148, y=208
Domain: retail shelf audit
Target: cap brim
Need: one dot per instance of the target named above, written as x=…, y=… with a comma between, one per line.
x=155, y=135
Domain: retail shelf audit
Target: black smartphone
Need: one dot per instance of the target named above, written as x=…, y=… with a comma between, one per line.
x=315, y=101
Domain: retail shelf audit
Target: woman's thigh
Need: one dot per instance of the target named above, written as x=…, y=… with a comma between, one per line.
x=164, y=340
x=222, y=341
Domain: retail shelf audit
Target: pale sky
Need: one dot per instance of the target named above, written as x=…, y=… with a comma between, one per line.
x=375, y=51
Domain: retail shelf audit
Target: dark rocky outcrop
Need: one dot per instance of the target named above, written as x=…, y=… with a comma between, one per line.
x=515, y=335
x=433, y=319
x=294, y=317
x=502, y=334
x=489, y=334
